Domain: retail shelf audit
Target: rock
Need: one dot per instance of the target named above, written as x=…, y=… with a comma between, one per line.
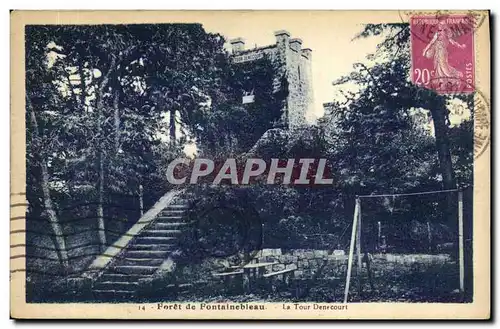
x=339, y=252
x=298, y=252
x=271, y=259
x=319, y=253
x=266, y=252
x=278, y=267
x=309, y=254
x=317, y=262
x=286, y=259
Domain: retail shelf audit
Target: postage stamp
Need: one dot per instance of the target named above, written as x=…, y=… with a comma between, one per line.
x=198, y=165
x=442, y=52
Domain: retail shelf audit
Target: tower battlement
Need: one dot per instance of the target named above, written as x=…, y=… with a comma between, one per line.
x=295, y=63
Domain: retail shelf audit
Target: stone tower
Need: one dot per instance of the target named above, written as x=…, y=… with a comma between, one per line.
x=295, y=63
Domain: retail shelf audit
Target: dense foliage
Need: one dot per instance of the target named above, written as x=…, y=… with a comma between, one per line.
x=105, y=107
x=108, y=107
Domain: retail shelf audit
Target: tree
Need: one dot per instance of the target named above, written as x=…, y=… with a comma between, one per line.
x=182, y=67
x=99, y=94
x=41, y=92
x=230, y=127
x=385, y=94
x=86, y=98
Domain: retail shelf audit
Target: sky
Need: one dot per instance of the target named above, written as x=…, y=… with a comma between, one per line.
x=328, y=34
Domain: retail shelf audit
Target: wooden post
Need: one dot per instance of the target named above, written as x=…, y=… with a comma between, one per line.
x=358, y=248
x=461, y=238
x=351, y=250
x=429, y=236
x=141, y=204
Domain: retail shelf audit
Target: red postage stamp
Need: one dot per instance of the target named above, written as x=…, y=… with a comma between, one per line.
x=442, y=52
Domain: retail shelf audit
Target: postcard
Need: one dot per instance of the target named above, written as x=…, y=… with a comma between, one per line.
x=250, y=164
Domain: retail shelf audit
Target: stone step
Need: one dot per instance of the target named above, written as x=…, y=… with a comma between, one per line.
x=112, y=294
x=144, y=239
x=146, y=261
x=113, y=277
x=178, y=206
x=168, y=225
x=168, y=219
x=156, y=247
x=150, y=254
x=133, y=269
x=116, y=285
x=182, y=286
x=160, y=233
x=172, y=212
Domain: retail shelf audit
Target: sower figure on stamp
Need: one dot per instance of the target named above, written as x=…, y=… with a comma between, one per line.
x=438, y=50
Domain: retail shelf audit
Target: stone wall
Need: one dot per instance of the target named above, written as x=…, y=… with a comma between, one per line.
x=411, y=258
x=306, y=261
x=299, y=84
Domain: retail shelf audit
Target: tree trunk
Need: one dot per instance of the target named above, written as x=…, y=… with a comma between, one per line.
x=100, y=147
x=117, y=120
x=100, y=205
x=172, y=127
x=54, y=221
x=443, y=148
x=445, y=164
x=100, y=187
x=60, y=243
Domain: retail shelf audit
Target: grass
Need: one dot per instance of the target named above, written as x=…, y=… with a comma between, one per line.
x=390, y=282
x=416, y=282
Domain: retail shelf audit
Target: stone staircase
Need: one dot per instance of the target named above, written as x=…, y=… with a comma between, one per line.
x=143, y=255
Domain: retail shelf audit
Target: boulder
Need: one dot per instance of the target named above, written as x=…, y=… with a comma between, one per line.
x=278, y=267
x=339, y=252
